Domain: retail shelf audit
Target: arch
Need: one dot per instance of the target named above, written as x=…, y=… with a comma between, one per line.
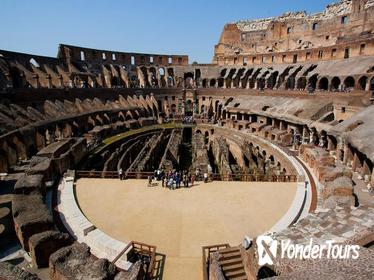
x=272, y=80
x=323, y=84
x=202, y=109
x=313, y=81
x=161, y=71
x=173, y=108
x=212, y=83
x=205, y=83
x=349, y=82
x=362, y=83
x=372, y=84
x=301, y=83
x=335, y=83
x=188, y=79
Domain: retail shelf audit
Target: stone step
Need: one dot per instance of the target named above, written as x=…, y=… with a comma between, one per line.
x=229, y=250
x=235, y=274
x=231, y=261
x=233, y=267
x=234, y=255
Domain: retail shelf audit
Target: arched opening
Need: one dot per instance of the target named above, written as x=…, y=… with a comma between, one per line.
x=115, y=82
x=323, y=84
x=188, y=79
x=372, y=84
x=202, y=109
x=272, y=80
x=362, y=83
x=221, y=82
x=313, y=82
x=173, y=109
x=290, y=84
x=212, y=83
x=335, y=83
x=349, y=83
x=205, y=82
x=301, y=83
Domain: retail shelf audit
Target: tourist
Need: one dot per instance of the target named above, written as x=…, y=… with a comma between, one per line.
x=177, y=180
x=197, y=173
x=193, y=180
x=170, y=183
x=206, y=178
x=120, y=172
x=149, y=181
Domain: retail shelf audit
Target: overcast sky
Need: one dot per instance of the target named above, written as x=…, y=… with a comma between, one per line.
x=149, y=26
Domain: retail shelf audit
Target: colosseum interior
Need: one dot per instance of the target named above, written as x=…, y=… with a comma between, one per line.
x=119, y=165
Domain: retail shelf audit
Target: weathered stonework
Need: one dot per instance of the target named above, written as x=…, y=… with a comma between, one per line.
x=44, y=244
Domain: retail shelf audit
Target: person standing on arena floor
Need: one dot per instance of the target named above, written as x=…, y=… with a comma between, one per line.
x=120, y=172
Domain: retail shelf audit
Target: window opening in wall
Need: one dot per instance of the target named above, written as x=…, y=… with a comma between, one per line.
x=315, y=26
x=307, y=57
x=344, y=20
x=327, y=37
x=343, y=110
x=83, y=58
x=114, y=57
x=253, y=60
x=103, y=55
x=346, y=53
x=160, y=60
x=284, y=58
x=142, y=59
x=289, y=30
x=179, y=60
x=333, y=52
x=151, y=59
x=173, y=98
x=362, y=49
x=170, y=60
x=245, y=61
x=132, y=60
x=272, y=58
x=33, y=62
x=320, y=54
x=294, y=58
x=243, y=36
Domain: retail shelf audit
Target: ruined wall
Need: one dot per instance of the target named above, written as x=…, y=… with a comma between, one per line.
x=299, y=36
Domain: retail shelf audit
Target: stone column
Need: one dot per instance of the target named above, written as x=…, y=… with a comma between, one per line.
x=348, y=156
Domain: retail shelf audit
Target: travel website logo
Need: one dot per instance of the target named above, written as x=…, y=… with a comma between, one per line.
x=268, y=248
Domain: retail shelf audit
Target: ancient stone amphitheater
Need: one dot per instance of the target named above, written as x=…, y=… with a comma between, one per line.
x=286, y=100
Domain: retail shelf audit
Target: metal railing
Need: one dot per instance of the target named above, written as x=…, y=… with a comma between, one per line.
x=245, y=177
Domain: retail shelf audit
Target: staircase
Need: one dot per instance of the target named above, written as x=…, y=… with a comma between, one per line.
x=232, y=264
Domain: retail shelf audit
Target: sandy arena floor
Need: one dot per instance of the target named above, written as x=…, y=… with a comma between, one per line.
x=180, y=222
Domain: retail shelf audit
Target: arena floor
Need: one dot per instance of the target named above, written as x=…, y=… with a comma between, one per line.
x=180, y=222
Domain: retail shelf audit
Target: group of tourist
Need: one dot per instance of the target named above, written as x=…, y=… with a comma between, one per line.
x=173, y=179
